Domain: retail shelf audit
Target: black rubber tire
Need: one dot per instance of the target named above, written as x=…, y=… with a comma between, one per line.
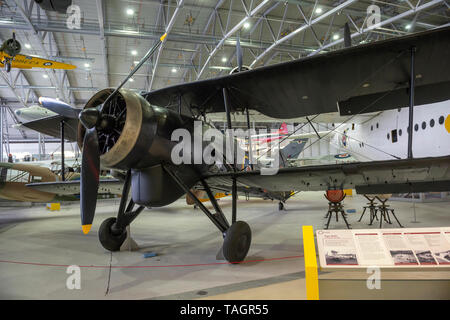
x=237, y=242
x=8, y=67
x=280, y=206
x=108, y=240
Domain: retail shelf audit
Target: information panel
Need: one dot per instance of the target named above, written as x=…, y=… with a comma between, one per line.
x=413, y=247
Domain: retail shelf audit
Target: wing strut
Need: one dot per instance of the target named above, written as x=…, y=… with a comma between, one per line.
x=63, y=177
x=411, y=102
x=226, y=102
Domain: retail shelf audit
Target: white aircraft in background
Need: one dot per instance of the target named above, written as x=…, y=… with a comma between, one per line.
x=34, y=112
x=385, y=136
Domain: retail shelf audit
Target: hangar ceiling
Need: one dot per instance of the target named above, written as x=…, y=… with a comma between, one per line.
x=201, y=40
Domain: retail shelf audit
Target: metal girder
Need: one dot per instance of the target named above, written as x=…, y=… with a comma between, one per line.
x=40, y=41
x=382, y=23
x=237, y=27
x=101, y=23
x=304, y=27
x=161, y=48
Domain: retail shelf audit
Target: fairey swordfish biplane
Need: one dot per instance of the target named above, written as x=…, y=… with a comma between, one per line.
x=123, y=130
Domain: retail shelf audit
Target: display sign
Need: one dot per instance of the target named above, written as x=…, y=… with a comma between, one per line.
x=414, y=247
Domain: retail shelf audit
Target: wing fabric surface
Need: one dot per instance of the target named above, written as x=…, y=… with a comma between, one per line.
x=392, y=176
x=360, y=79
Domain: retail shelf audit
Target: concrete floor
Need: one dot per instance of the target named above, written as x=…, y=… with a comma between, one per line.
x=37, y=245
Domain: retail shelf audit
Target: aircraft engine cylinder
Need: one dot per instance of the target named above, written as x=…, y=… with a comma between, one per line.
x=131, y=132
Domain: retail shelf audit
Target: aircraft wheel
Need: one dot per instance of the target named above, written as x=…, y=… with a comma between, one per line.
x=109, y=240
x=237, y=242
x=280, y=206
x=8, y=66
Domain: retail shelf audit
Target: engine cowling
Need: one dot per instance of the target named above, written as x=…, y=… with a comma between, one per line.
x=132, y=134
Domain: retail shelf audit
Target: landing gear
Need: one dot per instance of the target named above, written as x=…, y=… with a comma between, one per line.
x=113, y=231
x=237, y=237
x=280, y=206
x=110, y=240
x=8, y=66
x=237, y=242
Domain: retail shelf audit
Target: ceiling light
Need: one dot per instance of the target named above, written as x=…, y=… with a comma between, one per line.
x=366, y=85
x=247, y=25
x=87, y=65
x=133, y=52
x=45, y=76
x=27, y=45
x=224, y=59
x=131, y=79
x=408, y=26
x=130, y=12
x=135, y=62
x=335, y=37
x=319, y=10
x=174, y=70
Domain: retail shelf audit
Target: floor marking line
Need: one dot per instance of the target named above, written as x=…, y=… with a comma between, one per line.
x=153, y=266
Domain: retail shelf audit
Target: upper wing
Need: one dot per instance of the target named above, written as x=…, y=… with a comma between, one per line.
x=111, y=186
x=377, y=177
x=26, y=62
x=51, y=126
x=360, y=79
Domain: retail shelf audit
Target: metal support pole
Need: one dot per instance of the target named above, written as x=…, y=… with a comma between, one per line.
x=234, y=201
x=62, y=151
x=226, y=103
x=1, y=133
x=250, y=149
x=179, y=104
x=411, y=103
x=234, y=187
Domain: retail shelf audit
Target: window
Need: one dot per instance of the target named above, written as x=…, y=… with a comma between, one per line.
x=371, y=128
x=388, y=136
x=432, y=123
x=416, y=127
x=394, y=136
x=441, y=119
x=378, y=125
x=424, y=125
x=400, y=132
x=353, y=126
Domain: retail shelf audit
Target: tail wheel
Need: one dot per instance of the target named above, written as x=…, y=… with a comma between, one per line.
x=109, y=240
x=237, y=242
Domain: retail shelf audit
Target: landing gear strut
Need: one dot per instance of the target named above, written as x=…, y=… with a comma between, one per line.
x=237, y=237
x=112, y=232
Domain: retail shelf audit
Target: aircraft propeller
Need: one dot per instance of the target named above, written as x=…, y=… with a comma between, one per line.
x=102, y=123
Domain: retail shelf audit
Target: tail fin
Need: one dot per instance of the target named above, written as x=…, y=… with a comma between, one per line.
x=283, y=128
x=293, y=149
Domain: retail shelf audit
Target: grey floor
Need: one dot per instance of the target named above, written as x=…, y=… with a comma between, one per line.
x=37, y=245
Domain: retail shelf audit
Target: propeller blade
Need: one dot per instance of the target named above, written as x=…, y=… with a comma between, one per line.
x=59, y=107
x=89, y=117
x=347, y=36
x=90, y=171
x=239, y=54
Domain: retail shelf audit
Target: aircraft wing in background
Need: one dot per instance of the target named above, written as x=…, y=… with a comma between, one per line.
x=106, y=186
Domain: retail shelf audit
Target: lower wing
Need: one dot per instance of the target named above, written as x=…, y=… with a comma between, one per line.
x=375, y=177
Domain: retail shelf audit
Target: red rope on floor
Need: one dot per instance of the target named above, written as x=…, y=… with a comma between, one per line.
x=165, y=266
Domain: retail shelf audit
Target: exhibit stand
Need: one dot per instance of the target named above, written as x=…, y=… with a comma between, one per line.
x=369, y=264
